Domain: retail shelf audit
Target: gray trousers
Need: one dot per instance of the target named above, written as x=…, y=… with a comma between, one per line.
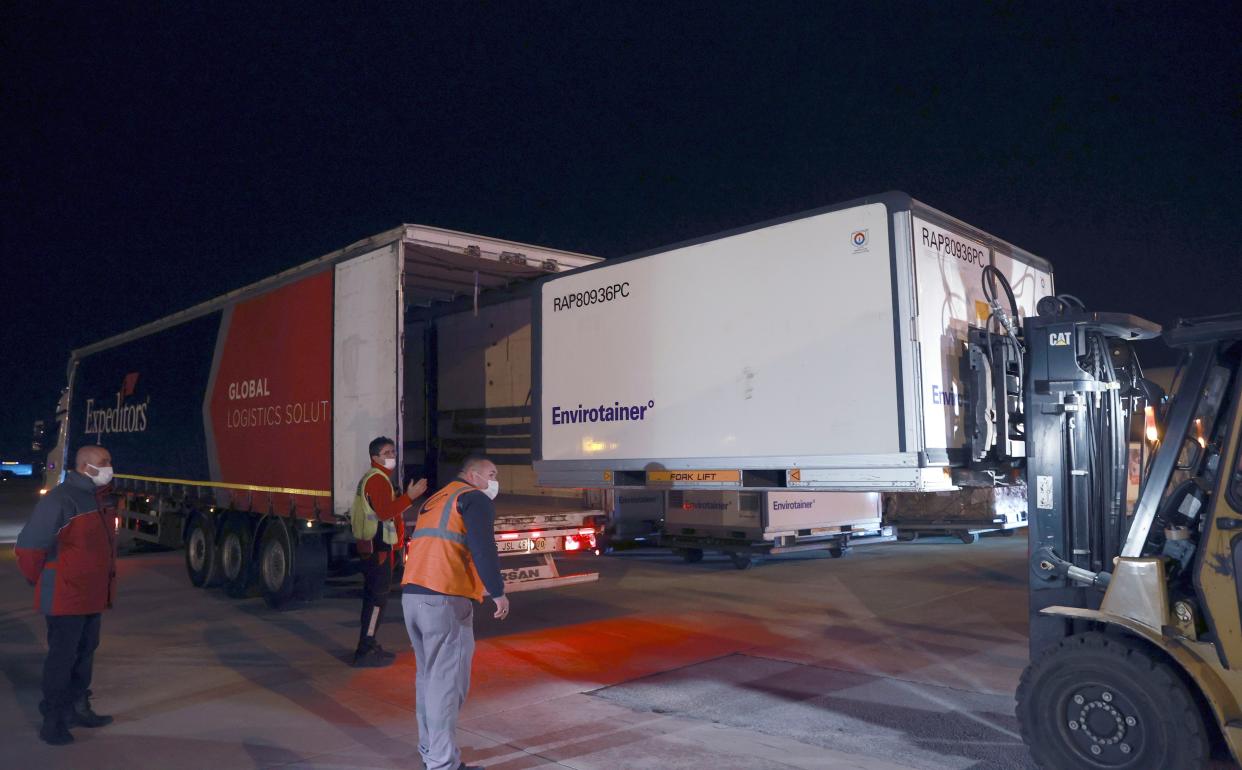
x=441, y=631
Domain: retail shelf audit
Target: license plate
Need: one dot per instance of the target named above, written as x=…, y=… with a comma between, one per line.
x=507, y=546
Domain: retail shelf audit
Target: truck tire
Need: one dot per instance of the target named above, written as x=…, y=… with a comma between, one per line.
x=838, y=551
x=968, y=538
x=276, y=580
x=1109, y=702
x=202, y=556
x=691, y=555
x=237, y=556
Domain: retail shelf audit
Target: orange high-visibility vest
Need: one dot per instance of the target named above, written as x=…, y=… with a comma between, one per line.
x=437, y=557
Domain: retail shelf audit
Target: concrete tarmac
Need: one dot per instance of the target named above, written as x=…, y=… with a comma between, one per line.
x=896, y=656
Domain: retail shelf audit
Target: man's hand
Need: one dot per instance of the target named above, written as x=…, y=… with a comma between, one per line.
x=416, y=489
x=502, y=608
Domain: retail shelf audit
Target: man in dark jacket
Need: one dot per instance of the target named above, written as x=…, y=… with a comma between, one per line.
x=68, y=552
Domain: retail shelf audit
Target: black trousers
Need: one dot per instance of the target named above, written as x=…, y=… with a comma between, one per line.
x=376, y=580
x=71, y=643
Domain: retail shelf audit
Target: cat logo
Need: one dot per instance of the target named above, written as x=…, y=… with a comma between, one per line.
x=1059, y=339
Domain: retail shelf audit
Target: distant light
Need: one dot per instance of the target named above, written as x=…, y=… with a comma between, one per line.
x=308, y=524
x=9, y=462
x=43, y=491
x=1149, y=424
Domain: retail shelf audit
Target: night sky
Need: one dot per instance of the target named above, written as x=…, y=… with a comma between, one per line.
x=156, y=156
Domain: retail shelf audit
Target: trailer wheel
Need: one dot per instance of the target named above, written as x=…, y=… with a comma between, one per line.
x=907, y=535
x=276, y=566
x=1109, y=702
x=691, y=555
x=237, y=557
x=743, y=560
x=202, y=557
x=968, y=537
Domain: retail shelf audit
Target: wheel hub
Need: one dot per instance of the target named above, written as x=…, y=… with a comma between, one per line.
x=274, y=567
x=198, y=550
x=232, y=556
x=1102, y=724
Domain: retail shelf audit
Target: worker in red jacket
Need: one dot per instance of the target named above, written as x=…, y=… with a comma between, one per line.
x=378, y=528
x=68, y=552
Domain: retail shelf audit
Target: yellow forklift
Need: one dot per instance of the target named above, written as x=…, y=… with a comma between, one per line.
x=1136, y=615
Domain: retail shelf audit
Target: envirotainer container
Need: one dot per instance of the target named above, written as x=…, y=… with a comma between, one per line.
x=820, y=351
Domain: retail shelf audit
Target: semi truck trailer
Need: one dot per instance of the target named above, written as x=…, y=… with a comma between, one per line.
x=239, y=427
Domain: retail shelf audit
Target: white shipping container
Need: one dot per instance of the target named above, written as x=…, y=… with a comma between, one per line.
x=821, y=351
x=763, y=517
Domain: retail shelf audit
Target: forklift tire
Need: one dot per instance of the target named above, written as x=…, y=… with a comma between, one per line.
x=1109, y=702
x=968, y=537
x=202, y=557
x=907, y=536
x=743, y=560
x=276, y=579
x=237, y=557
x=692, y=555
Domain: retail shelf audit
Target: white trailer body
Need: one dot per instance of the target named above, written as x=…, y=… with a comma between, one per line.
x=822, y=351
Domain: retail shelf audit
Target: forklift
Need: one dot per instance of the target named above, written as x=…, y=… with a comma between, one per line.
x=1135, y=615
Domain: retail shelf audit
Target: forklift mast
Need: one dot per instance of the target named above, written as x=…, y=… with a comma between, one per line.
x=1081, y=390
x=1082, y=387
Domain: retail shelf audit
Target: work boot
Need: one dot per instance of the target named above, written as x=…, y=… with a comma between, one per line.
x=55, y=730
x=370, y=655
x=82, y=715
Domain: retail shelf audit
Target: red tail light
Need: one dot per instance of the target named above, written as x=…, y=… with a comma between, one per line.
x=583, y=541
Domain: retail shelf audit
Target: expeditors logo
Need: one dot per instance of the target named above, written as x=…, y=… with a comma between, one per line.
x=859, y=240
x=121, y=418
x=618, y=412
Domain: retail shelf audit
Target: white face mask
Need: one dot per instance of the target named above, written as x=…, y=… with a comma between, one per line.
x=103, y=475
x=390, y=462
x=493, y=489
